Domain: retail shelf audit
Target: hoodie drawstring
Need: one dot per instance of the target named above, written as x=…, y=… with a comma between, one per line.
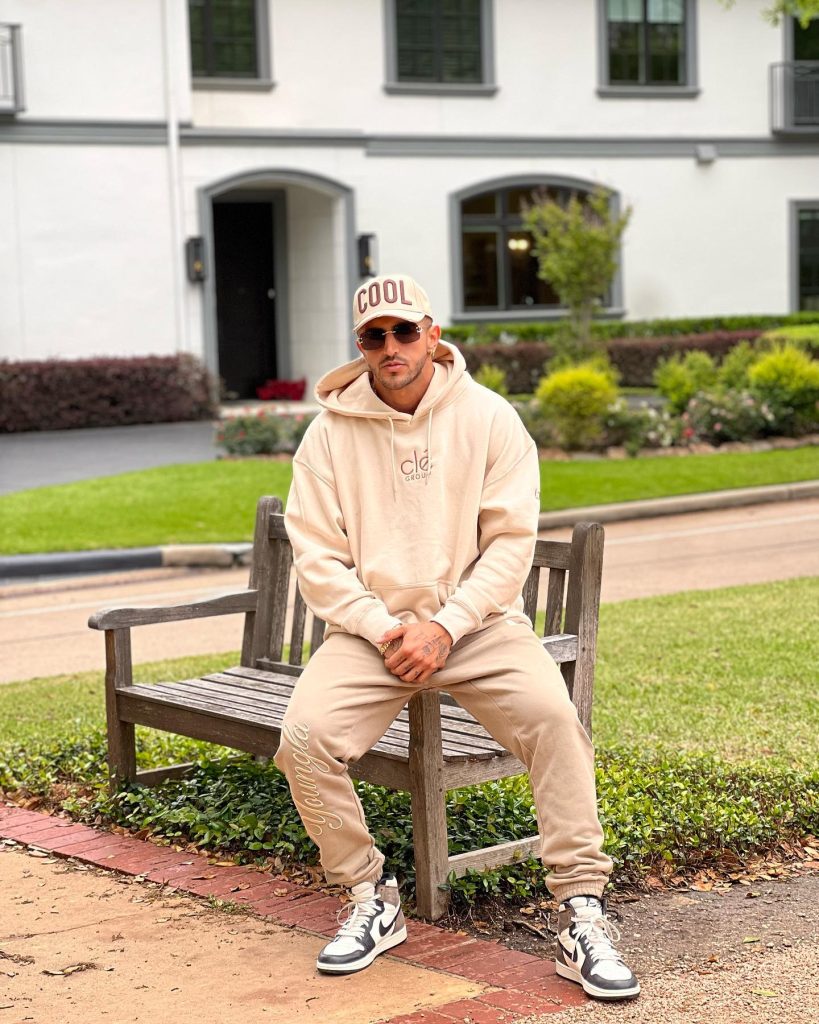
x=392, y=460
x=429, y=447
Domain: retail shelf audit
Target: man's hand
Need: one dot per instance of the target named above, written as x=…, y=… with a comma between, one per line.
x=424, y=648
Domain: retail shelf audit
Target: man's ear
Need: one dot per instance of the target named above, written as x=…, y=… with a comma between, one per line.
x=434, y=333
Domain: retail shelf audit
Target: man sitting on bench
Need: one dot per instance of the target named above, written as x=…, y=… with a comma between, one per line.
x=413, y=519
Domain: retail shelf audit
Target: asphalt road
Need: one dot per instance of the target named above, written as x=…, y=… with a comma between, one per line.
x=43, y=624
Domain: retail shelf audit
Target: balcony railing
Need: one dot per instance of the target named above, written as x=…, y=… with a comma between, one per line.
x=11, y=70
x=795, y=97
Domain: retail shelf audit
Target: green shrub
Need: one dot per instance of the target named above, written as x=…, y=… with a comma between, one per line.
x=541, y=432
x=494, y=378
x=733, y=370
x=804, y=336
x=523, y=364
x=262, y=434
x=680, y=377
x=575, y=401
x=655, y=807
x=635, y=358
x=643, y=426
x=787, y=379
x=719, y=416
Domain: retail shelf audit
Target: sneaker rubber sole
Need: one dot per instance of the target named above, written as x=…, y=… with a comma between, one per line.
x=572, y=973
x=395, y=939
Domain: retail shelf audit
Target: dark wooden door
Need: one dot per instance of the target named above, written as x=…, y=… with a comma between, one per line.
x=245, y=295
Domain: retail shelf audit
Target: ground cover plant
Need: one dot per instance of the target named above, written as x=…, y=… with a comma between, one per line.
x=215, y=502
x=706, y=728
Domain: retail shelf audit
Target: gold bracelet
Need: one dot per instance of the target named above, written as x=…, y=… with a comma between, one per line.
x=382, y=650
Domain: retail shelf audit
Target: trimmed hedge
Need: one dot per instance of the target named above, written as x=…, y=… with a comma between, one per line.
x=523, y=364
x=61, y=394
x=638, y=358
x=489, y=333
x=635, y=358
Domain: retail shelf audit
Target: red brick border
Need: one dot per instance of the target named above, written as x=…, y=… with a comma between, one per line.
x=521, y=984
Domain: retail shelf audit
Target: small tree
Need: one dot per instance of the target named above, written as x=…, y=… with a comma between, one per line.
x=576, y=245
x=804, y=10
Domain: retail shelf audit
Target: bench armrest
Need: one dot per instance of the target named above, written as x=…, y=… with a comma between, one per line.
x=124, y=618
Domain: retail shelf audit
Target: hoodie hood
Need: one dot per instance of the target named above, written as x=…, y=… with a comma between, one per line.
x=346, y=390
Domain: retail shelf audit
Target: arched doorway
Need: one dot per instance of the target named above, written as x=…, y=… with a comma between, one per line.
x=281, y=246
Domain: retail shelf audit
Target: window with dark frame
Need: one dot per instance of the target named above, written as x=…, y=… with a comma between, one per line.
x=439, y=41
x=646, y=42
x=808, y=256
x=223, y=38
x=498, y=267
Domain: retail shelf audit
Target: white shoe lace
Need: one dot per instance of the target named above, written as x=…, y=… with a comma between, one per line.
x=356, y=915
x=600, y=932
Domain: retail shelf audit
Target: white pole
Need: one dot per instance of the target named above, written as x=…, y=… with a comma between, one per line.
x=174, y=181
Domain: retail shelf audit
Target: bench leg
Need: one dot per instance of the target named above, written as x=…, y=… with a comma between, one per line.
x=121, y=740
x=428, y=797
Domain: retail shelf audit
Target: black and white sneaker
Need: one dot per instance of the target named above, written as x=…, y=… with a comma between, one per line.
x=374, y=925
x=586, y=953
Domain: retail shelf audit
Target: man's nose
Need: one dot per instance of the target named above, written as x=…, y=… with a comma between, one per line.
x=391, y=346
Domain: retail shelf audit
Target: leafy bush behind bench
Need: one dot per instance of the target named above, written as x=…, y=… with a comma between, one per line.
x=655, y=806
x=65, y=394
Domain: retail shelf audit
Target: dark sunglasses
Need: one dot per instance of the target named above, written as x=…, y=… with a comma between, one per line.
x=374, y=337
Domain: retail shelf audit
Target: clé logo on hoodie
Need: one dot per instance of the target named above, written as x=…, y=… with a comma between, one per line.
x=417, y=467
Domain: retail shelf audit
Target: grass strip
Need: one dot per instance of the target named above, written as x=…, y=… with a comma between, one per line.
x=212, y=502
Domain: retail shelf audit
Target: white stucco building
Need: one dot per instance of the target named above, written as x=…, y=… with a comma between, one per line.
x=269, y=137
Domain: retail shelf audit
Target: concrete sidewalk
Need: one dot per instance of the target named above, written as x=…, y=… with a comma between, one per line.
x=101, y=928
x=167, y=955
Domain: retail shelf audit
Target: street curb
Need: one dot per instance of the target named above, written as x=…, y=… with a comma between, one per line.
x=627, y=510
x=223, y=556
x=13, y=567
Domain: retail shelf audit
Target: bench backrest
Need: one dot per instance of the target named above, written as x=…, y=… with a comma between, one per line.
x=571, y=586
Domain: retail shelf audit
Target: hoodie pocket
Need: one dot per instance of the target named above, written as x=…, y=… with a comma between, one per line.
x=416, y=601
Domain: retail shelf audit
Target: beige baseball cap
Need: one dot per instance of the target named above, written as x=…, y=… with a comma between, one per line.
x=390, y=295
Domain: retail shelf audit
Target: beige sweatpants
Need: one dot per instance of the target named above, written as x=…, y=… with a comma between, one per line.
x=346, y=698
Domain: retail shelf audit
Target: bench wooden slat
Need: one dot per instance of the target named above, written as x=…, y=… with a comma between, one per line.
x=549, y=553
x=271, y=707
x=264, y=680
x=554, y=604
x=530, y=592
x=224, y=604
x=297, y=630
x=158, y=695
x=468, y=735
x=270, y=701
x=494, y=856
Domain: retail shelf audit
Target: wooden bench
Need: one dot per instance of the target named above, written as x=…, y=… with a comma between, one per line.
x=433, y=746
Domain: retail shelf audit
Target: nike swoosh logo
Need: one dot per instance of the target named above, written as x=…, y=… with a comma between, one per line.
x=386, y=930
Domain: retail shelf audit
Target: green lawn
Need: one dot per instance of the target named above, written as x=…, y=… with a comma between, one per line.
x=730, y=672
x=210, y=502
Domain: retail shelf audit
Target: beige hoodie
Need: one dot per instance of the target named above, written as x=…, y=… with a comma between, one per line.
x=405, y=518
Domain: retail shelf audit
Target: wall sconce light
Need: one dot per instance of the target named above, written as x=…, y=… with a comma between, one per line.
x=367, y=252
x=705, y=153
x=195, y=258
